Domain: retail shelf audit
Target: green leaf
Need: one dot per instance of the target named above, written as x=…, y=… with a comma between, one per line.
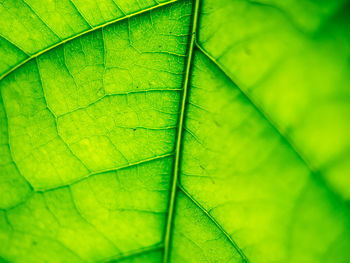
x=174, y=131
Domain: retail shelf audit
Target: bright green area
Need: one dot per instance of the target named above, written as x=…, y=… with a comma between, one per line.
x=90, y=105
x=295, y=69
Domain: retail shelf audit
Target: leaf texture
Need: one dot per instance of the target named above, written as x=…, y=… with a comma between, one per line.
x=174, y=131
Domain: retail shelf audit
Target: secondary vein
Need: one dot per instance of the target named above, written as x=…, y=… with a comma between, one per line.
x=257, y=107
x=81, y=34
x=315, y=173
x=113, y=169
x=234, y=244
x=134, y=253
x=178, y=147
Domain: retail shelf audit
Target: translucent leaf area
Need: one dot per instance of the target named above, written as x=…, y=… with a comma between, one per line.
x=145, y=131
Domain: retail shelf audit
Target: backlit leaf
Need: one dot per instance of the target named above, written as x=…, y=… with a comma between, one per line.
x=174, y=131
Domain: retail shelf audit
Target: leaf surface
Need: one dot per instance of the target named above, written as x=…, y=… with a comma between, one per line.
x=176, y=131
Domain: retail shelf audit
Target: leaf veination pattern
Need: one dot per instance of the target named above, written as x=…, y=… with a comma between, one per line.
x=316, y=174
x=108, y=151
x=92, y=28
x=178, y=147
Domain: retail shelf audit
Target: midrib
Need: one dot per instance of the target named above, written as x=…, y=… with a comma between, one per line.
x=178, y=146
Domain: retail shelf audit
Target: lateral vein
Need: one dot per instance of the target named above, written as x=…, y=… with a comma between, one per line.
x=313, y=170
x=234, y=244
x=134, y=253
x=105, y=171
x=83, y=33
x=257, y=107
x=178, y=146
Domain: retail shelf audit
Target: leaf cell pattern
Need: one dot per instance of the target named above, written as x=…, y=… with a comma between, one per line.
x=174, y=131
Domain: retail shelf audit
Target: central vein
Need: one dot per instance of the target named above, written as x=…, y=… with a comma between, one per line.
x=178, y=147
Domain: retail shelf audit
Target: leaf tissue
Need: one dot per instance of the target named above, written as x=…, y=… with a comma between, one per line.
x=175, y=131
